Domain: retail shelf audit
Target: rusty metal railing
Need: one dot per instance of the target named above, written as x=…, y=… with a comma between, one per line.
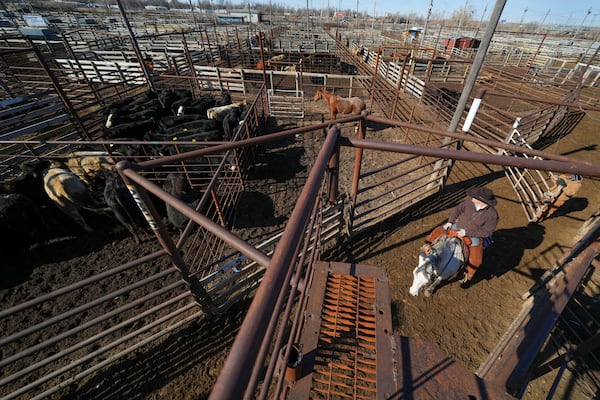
x=511, y=363
x=87, y=344
x=233, y=268
x=235, y=378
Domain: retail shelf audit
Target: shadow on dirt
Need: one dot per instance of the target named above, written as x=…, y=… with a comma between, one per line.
x=362, y=242
x=573, y=204
x=192, y=349
x=18, y=266
x=256, y=209
x=507, y=249
x=564, y=127
x=377, y=126
x=279, y=166
x=505, y=254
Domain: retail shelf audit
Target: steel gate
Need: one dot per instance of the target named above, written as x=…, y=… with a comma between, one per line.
x=286, y=103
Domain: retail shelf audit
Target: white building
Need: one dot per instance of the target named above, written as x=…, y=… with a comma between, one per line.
x=239, y=16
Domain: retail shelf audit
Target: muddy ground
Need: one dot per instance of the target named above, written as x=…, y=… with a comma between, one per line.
x=466, y=324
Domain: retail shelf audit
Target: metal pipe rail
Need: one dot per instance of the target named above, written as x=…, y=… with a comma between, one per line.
x=235, y=374
x=95, y=339
x=310, y=251
x=138, y=345
x=102, y=335
x=546, y=165
x=576, y=105
x=78, y=285
x=470, y=138
x=508, y=364
x=86, y=307
x=86, y=325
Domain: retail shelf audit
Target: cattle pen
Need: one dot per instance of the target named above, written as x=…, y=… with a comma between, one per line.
x=316, y=323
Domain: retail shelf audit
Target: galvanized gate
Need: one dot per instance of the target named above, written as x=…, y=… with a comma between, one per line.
x=286, y=103
x=540, y=192
x=530, y=186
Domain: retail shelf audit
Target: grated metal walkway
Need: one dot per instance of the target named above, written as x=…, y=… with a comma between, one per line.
x=347, y=337
x=350, y=351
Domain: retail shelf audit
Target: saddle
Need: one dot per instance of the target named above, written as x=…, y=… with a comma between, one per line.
x=428, y=248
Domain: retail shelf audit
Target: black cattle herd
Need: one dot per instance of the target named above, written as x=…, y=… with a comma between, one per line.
x=35, y=202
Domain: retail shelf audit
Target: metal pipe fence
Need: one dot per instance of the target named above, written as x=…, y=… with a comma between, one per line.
x=217, y=268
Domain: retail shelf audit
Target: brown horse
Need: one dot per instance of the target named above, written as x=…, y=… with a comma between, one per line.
x=337, y=104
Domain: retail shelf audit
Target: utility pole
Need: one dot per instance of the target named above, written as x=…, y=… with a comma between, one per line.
x=462, y=14
x=374, y=15
x=470, y=81
x=589, y=11
x=481, y=19
x=194, y=16
x=426, y=21
x=544, y=19
x=307, y=20
x=522, y=18
x=477, y=64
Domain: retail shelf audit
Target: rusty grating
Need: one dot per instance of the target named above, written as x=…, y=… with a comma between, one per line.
x=347, y=335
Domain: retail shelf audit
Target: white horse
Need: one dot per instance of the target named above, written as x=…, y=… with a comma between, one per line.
x=445, y=260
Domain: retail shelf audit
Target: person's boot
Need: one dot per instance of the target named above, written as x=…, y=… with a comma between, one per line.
x=465, y=282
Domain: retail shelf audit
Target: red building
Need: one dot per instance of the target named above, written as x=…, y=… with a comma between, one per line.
x=461, y=43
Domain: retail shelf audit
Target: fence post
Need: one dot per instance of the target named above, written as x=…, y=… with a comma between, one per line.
x=362, y=129
x=188, y=56
x=59, y=91
x=333, y=169
x=136, y=47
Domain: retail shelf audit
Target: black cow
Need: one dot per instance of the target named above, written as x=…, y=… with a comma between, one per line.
x=207, y=136
x=123, y=116
x=224, y=100
x=116, y=105
x=198, y=106
x=178, y=186
x=123, y=206
x=132, y=105
x=28, y=182
x=136, y=130
x=185, y=129
x=23, y=223
x=231, y=123
x=132, y=152
x=167, y=97
x=348, y=69
x=170, y=121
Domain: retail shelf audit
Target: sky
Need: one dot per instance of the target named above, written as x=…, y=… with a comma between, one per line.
x=567, y=12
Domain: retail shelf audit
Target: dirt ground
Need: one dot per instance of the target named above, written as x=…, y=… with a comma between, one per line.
x=464, y=323
x=468, y=323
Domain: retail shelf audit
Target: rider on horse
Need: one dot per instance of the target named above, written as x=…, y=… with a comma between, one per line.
x=474, y=221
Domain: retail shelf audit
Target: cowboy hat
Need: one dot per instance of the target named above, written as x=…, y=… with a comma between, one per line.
x=482, y=194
